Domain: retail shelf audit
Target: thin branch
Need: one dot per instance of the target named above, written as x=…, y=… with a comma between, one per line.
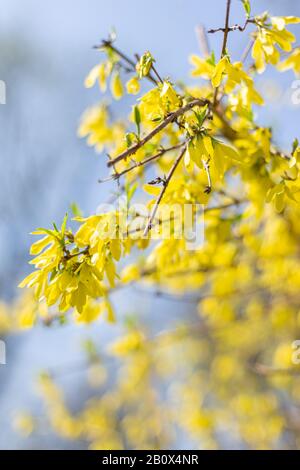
x=167, y=295
x=164, y=188
x=228, y=131
x=231, y=196
x=148, y=160
x=235, y=27
x=264, y=370
x=224, y=206
x=130, y=62
x=106, y=43
x=226, y=29
x=69, y=256
x=170, y=118
x=224, y=45
x=189, y=297
x=156, y=73
x=209, y=185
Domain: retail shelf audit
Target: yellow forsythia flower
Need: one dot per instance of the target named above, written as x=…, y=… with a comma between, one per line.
x=99, y=73
x=220, y=68
x=127, y=344
x=144, y=65
x=90, y=312
x=116, y=86
x=268, y=38
x=130, y=273
x=203, y=67
x=133, y=86
x=291, y=62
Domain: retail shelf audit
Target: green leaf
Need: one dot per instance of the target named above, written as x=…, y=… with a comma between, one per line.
x=200, y=115
x=128, y=138
x=76, y=211
x=137, y=119
x=55, y=227
x=212, y=59
x=53, y=274
x=63, y=225
x=157, y=119
x=295, y=145
x=247, y=7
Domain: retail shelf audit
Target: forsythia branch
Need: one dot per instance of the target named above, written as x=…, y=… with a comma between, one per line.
x=224, y=45
x=148, y=160
x=170, y=118
x=130, y=62
x=165, y=185
x=235, y=27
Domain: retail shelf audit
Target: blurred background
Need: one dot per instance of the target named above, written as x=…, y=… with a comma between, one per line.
x=46, y=51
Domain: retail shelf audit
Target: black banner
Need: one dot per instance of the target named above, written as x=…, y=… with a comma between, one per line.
x=138, y=458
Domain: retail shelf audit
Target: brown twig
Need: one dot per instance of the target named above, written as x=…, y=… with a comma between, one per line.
x=226, y=28
x=235, y=27
x=228, y=131
x=170, y=118
x=264, y=370
x=148, y=160
x=130, y=62
x=164, y=188
x=69, y=255
x=224, y=45
x=156, y=73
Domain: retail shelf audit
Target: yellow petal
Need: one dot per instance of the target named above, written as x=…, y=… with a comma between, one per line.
x=92, y=77
x=291, y=19
x=116, y=86
x=102, y=77
x=208, y=145
x=258, y=56
x=115, y=248
x=202, y=67
x=133, y=86
x=152, y=190
x=218, y=73
x=29, y=280
x=278, y=22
